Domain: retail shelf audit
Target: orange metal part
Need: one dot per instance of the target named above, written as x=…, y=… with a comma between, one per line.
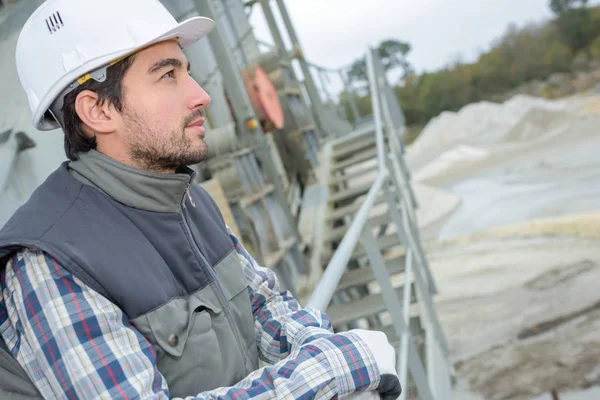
x=264, y=98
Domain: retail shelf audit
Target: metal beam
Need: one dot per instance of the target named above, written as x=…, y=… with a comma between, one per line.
x=309, y=83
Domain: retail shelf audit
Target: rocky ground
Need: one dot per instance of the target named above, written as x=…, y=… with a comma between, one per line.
x=518, y=261
x=521, y=312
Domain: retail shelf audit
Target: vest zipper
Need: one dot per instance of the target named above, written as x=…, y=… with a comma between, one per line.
x=189, y=195
x=221, y=296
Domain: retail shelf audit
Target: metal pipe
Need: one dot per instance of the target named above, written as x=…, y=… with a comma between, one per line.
x=322, y=68
x=238, y=45
x=272, y=23
x=375, y=101
x=403, y=370
x=324, y=85
x=309, y=82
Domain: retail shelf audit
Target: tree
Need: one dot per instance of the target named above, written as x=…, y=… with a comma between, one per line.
x=575, y=24
x=558, y=7
x=393, y=55
x=595, y=49
x=558, y=58
x=358, y=71
x=520, y=61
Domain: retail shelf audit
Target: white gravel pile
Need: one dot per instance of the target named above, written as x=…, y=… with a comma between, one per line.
x=480, y=124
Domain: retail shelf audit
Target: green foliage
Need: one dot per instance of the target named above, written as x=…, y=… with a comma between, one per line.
x=558, y=58
x=407, y=94
x=393, y=55
x=358, y=71
x=561, y=6
x=595, y=49
x=520, y=56
x=575, y=23
x=363, y=104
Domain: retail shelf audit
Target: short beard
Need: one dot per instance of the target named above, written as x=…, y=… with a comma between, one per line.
x=163, y=154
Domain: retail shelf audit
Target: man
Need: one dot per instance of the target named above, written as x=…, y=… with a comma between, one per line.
x=120, y=277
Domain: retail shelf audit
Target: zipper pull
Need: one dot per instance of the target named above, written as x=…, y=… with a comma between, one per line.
x=187, y=190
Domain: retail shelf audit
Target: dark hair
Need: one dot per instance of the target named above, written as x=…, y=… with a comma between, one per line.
x=111, y=90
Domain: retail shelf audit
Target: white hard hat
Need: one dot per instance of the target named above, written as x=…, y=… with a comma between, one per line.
x=65, y=42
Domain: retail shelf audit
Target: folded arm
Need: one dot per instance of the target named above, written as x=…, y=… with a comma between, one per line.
x=74, y=343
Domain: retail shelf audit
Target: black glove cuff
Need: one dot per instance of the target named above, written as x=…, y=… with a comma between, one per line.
x=389, y=387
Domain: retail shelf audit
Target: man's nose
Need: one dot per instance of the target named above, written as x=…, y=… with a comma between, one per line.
x=198, y=98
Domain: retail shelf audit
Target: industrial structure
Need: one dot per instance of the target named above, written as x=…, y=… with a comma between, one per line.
x=325, y=203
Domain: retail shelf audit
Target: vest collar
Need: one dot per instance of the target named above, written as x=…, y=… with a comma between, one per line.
x=131, y=186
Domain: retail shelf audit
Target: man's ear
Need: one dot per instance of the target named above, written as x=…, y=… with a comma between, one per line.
x=98, y=117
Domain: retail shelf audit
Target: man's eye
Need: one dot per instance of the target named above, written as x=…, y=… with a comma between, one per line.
x=170, y=74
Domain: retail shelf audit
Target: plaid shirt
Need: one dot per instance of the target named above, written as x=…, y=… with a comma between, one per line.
x=74, y=343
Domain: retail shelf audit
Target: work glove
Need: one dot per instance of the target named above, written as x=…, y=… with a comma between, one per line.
x=385, y=357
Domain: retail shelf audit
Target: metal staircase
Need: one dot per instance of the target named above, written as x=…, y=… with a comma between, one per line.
x=377, y=275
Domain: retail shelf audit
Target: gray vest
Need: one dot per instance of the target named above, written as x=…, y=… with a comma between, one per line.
x=161, y=253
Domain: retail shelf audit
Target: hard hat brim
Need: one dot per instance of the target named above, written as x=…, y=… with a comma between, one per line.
x=189, y=31
x=186, y=32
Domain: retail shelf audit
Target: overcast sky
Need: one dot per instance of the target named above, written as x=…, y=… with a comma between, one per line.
x=335, y=32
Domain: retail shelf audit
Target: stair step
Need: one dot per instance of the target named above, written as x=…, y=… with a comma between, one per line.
x=355, y=174
x=343, y=150
x=383, y=243
x=353, y=192
x=350, y=209
x=362, y=132
x=367, y=306
x=355, y=160
x=363, y=275
x=375, y=221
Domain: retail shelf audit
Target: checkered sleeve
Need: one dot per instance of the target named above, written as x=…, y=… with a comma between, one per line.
x=283, y=326
x=72, y=342
x=330, y=367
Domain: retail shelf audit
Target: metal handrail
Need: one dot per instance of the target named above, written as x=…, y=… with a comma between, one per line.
x=337, y=265
x=433, y=379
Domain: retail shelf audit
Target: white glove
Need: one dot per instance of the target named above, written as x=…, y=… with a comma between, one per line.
x=385, y=357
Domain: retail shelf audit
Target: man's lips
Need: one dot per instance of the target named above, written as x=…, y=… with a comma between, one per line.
x=196, y=122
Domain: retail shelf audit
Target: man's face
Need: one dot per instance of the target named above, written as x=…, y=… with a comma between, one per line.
x=162, y=113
